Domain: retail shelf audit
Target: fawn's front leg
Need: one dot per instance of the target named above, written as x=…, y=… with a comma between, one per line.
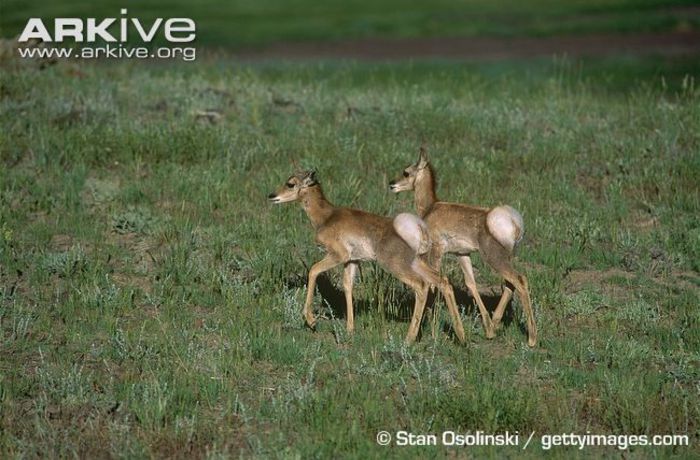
x=319, y=267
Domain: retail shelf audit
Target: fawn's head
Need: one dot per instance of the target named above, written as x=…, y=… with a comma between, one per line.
x=294, y=188
x=411, y=174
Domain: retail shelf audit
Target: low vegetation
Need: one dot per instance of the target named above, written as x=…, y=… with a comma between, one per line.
x=150, y=298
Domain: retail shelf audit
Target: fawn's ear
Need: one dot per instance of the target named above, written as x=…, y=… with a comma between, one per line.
x=422, y=157
x=310, y=178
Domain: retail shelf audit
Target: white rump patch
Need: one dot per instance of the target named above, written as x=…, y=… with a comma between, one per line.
x=413, y=231
x=506, y=225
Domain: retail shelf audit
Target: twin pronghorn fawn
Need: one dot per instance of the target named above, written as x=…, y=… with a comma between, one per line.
x=350, y=236
x=461, y=229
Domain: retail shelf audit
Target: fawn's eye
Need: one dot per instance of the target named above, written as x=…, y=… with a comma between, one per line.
x=289, y=185
x=405, y=174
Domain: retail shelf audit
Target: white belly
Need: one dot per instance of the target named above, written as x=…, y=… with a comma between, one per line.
x=458, y=244
x=360, y=249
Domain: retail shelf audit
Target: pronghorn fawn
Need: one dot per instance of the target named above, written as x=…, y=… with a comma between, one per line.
x=350, y=236
x=460, y=229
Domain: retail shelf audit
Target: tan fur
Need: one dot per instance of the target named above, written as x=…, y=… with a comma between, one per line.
x=350, y=236
x=462, y=229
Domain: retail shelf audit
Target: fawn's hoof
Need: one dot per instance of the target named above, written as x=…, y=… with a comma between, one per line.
x=491, y=334
x=531, y=341
x=311, y=325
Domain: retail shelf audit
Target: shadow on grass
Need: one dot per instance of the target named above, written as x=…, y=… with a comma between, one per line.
x=334, y=298
x=468, y=307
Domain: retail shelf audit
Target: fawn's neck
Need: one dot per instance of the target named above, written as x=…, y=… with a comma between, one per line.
x=425, y=195
x=316, y=206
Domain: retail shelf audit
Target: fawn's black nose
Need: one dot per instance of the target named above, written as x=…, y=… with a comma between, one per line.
x=271, y=196
x=392, y=183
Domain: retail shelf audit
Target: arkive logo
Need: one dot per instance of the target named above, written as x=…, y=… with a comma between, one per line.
x=175, y=30
x=118, y=38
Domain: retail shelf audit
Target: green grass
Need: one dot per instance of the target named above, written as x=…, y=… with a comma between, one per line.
x=245, y=23
x=150, y=298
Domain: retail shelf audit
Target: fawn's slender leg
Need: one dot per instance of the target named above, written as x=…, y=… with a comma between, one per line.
x=319, y=267
x=420, y=288
x=501, y=308
x=529, y=312
x=434, y=259
x=414, y=327
x=449, y=295
x=433, y=278
x=523, y=289
x=500, y=260
x=466, y=263
x=348, y=281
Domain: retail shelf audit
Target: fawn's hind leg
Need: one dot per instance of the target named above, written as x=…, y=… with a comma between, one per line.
x=502, y=304
x=348, y=282
x=432, y=277
x=500, y=259
x=466, y=263
x=421, y=292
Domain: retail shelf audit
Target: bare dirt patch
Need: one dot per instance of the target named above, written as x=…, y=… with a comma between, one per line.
x=608, y=281
x=143, y=252
x=126, y=280
x=60, y=242
x=577, y=280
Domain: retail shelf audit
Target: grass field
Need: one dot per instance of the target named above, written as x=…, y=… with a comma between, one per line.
x=150, y=298
x=242, y=23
